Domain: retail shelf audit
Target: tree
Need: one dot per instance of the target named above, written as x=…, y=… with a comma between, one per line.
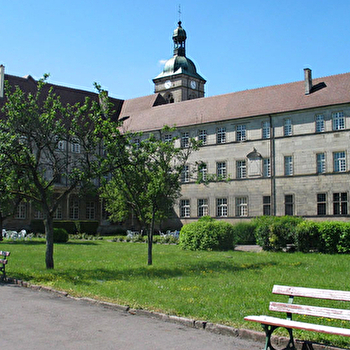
x=145, y=177
x=44, y=143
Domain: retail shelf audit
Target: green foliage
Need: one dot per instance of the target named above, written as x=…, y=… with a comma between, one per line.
x=330, y=233
x=276, y=233
x=245, y=232
x=207, y=234
x=60, y=235
x=344, y=241
x=307, y=237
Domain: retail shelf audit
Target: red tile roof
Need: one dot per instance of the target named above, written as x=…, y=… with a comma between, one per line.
x=146, y=115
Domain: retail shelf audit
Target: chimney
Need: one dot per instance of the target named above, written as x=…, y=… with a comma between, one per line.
x=2, y=80
x=308, y=81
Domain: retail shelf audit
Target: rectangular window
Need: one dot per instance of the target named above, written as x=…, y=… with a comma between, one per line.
x=185, y=208
x=266, y=130
x=58, y=212
x=321, y=163
x=289, y=204
x=287, y=128
x=221, y=170
x=241, y=169
x=75, y=146
x=185, y=140
x=241, y=206
x=266, y=205
x=320, y=123
x=340, y=203
x=21, y=212
x=185, y=175
x=61, y=145
x=203, y=207
x=38, y=214
x=221, y=135
x=221, y=207
x=90, y=210
x=321, y=204
x=241, y=134
x=74, y=209
x=202, y=172
x=266, y=167
x=288, y=165
x=168, y=138
x=339, y=159
x=202, y=137
x=338, y=121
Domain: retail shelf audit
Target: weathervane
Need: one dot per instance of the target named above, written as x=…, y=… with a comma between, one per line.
x=179, y=13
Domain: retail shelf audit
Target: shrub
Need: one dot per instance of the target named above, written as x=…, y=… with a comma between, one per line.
x=207, y=234
x=344, y=241
x=276, y=233
x=245, y=232
x=60, y=235
x=307, y=237
x=330, y=233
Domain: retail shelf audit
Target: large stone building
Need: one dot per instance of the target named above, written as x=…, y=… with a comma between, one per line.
x=277, y=150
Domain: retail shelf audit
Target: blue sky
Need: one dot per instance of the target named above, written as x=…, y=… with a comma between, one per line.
x=236, y=45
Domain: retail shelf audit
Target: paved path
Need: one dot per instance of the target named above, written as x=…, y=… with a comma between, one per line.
x=41, y=320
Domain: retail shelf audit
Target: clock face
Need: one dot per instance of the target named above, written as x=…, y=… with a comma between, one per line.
x=193, y=84
x=167, y=84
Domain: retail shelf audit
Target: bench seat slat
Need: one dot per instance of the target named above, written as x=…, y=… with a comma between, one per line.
x=3, y=253
x=3, y=261
x=274, y=321
x=338, y=314
x=312, y=293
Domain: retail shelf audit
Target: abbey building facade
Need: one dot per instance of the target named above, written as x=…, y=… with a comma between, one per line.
x=277, y=150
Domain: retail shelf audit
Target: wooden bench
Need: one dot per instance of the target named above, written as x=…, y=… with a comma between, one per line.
x=3, y=262
x=270, y=323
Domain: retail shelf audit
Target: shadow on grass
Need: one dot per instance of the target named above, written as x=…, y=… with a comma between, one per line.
x=43, y=242
x=91, y=276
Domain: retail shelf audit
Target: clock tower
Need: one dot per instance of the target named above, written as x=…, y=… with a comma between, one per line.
x=179, y=80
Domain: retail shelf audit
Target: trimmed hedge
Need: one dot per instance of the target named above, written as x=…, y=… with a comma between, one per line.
x=72, y=227
x=207, y=234
x=280, y=233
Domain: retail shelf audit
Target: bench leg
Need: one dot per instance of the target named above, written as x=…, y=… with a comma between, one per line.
x=269, y=330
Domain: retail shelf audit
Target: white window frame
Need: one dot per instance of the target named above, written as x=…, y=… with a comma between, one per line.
x=339, y=162
x=185, y=208
x=185, y=175
x=266, y=130
x=75, y=146
x=241, y=166
x=338, y=120
x=185, y=139
x=221, y=207
x=241, y=133
x=221, y=170
x=203, y=208
x=74, y=209
x=320, y=125
x=321, y=163
x=21, y=211
x=202, y=136
x=266, y=167
x=203, y=171
x=241, y=206
x=287, y=127
x=221, y=135
x=340, y=204
x=90, y=210
x=288, y=165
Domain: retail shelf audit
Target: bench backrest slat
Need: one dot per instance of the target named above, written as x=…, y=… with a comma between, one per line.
x=312, y=293
x=3, y=253
x=338, y=314
x=3, y=261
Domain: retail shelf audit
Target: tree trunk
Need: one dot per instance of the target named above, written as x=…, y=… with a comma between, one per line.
x=1, y=226
x=48, y=222
x=150, y=240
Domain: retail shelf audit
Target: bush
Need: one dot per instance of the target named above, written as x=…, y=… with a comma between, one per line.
x=307, y=237
x=207, y=234
x=60, y=235
x=245, y=232
x=344, y=241
x=276, y=233
x=330, y=233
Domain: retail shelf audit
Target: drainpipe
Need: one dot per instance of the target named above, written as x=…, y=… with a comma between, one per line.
x=273, y=163
x=2, y=80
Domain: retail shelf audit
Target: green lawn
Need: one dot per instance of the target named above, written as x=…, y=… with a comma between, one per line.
x=220, y=287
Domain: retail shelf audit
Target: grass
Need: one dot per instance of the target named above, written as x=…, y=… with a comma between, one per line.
x=220, y=287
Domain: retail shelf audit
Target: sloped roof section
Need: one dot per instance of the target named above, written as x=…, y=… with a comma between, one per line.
x=145, y=116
